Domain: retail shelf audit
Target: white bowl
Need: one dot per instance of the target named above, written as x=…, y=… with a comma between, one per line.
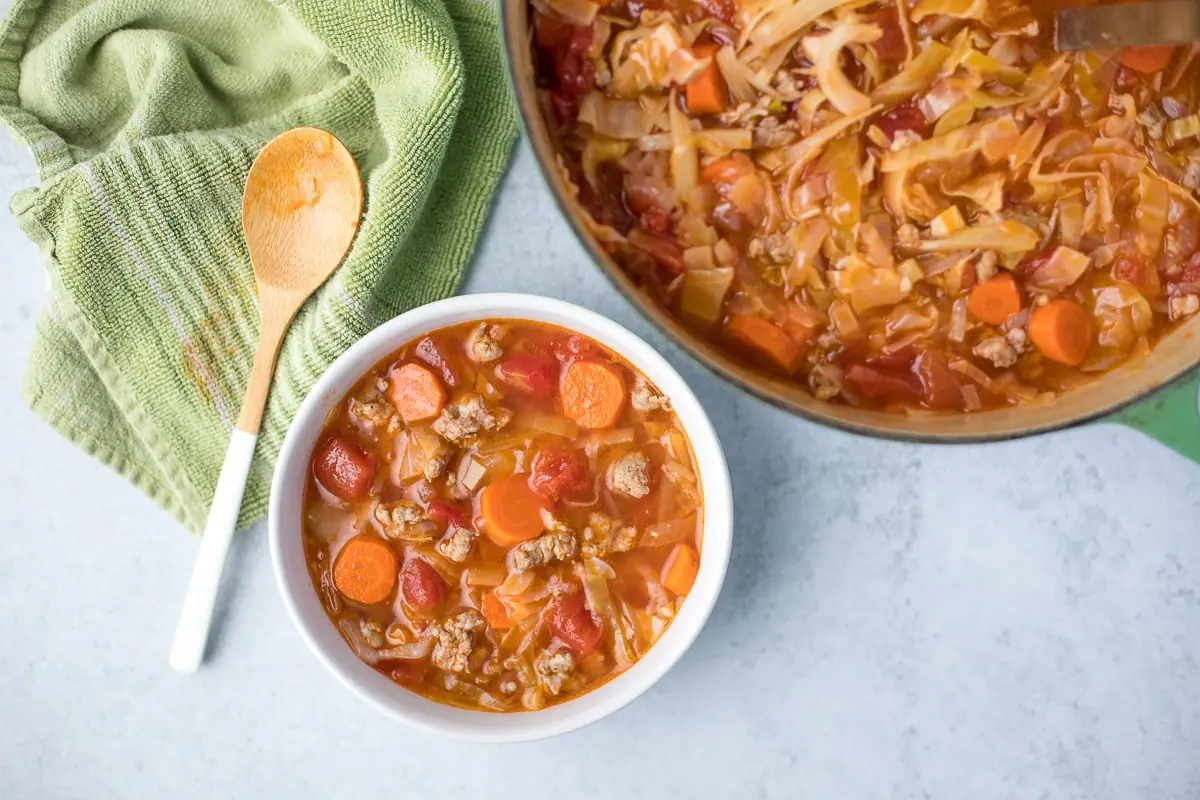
x=301, y=599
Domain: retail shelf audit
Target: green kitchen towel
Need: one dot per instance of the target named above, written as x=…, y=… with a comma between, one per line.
x=144, y=117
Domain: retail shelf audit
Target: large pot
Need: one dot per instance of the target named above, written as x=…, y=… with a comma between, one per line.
x=1169, y=415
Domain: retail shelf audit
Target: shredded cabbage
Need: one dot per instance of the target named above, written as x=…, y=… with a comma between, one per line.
x=787, y=20
x=685, y=158
x=826, y=54
x=999, y=133
x=916, y=77
x=867, y=287
x=1151, y=214
x=703, y=294
x=797, y=156
x=738, y=77
x=616, y=119
x=986, y=190
x=1003, y=237
x=959, y=9
x=1065, y=267
x=990, y=69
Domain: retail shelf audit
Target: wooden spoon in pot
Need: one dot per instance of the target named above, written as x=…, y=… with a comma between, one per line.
x=300, y=212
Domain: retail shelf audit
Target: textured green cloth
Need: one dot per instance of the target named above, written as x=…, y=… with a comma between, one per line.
x=144, y=117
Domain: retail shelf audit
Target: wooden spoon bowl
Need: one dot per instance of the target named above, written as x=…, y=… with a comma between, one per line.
x=300, y=212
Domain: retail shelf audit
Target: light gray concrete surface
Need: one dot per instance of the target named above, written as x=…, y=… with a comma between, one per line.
x=1010, y=621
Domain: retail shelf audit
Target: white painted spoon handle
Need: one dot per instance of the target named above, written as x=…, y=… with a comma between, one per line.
x=191, y=635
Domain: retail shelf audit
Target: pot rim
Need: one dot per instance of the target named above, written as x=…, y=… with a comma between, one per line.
x=712, y=358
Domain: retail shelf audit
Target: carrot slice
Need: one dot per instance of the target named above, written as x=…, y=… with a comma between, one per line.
x=495, y=612
x=995, y=300
x=679, y=572
x=417, y=393
x=1062, y=331
x=768, y=340
x=1148, y=60
x=511, y=512
x=593, y=393
x=706, y=94
x=365, y=570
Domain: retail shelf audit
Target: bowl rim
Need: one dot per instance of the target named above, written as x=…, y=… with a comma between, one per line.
x=299, y=596
x=721, y=363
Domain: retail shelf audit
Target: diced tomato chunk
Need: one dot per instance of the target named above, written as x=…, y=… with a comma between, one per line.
x=344, y=469
x=1188, y=281
x=656, y=220
x=551, y=32
x=422, y=585
x=901, y=359
x=574, y=624
x=724, y=10
x=405, y=672
x=1132, y=268
x=906, y=117
x=444, y=359
x=445, y=513
x=940, y=383
x=576, y=75
x=665, y=251
x=529, y=373
x=890, y=46
x=556, y=471
x=565, y=108
x=884, y=386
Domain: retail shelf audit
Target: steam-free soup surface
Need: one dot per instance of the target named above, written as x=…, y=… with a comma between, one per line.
x=899, y=205
x=502, y=515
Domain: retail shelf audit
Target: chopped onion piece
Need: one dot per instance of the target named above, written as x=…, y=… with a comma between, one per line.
x=970, y=397
x=703, y=294
x=965, y=367
x=491, y=574
x=1181, y=129
x=844, y=320
x=948, y=222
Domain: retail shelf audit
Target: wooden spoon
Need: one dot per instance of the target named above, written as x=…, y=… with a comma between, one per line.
x=300, y=212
